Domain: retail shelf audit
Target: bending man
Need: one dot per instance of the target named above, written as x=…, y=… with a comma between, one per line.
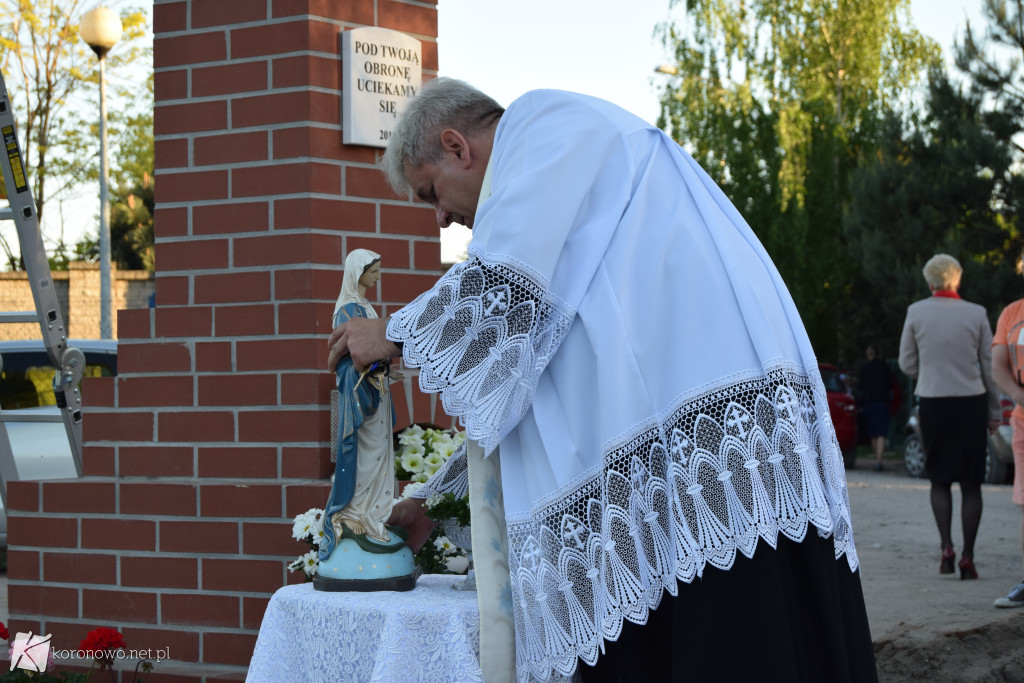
x=621, y=338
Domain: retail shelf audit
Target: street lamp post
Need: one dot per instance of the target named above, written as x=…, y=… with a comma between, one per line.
x=101, y=29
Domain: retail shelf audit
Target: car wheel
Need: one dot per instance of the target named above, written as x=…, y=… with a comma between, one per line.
x=996, y=471
x=913, y=456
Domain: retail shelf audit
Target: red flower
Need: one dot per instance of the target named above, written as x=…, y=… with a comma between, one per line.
x=4, y=634
x=101, y=643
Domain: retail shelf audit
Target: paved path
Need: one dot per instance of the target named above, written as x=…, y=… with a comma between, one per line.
x=926, y=625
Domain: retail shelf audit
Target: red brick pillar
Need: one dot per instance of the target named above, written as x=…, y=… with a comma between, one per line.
x=215, y=432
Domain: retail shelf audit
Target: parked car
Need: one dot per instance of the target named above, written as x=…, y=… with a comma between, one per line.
x=998, y=458
x=843, y=409
x=41, y=449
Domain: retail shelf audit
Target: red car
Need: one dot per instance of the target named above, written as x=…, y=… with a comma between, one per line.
x=843, y=409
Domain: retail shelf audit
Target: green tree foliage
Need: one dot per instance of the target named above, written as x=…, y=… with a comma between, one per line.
x=780, y=100
x=131, y=214
x=132, y=191
x=995, y=63
x=945, y=184
x=48, y=71
x=131, y=228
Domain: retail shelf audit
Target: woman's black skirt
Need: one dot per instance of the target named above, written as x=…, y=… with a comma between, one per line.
x=954, y=433
x=876, y=418
x=790, y=614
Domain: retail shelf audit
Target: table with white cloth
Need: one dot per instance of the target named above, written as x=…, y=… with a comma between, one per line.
x=431, y=633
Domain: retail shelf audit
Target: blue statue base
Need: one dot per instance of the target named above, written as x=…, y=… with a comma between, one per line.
x=359, y=563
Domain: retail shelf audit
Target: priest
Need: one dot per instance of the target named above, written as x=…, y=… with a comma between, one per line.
x=656, y=487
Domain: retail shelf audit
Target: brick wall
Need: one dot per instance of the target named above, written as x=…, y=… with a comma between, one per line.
x=215, y=433
x=78, y=294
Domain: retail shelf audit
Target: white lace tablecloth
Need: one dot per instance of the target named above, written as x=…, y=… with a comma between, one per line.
x=431, y=633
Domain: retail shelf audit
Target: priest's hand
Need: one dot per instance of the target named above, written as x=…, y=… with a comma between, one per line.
x=365, y=339
x=411, y=515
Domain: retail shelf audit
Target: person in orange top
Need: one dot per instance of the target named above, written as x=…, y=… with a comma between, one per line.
x=1007, y=359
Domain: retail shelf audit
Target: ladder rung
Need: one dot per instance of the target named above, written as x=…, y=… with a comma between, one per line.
x=18, y=317
x=20, y=208
x=17, y=416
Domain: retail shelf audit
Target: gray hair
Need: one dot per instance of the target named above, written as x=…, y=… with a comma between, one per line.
x=416, y=138
x=942, y=272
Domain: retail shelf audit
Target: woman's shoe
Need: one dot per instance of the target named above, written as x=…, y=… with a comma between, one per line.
x=948, y=563
x=967, y=570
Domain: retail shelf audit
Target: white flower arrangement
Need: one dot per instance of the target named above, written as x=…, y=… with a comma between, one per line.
x=433, y=462
x=443, y=544
x=410, y=490
x=422, y=452
x=308, y=527
x=439, y=554
x=412, y=459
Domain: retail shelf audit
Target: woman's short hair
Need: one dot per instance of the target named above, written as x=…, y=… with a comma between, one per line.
x=942, y=272
x=416, y=138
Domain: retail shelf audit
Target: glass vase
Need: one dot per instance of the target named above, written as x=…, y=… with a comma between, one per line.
x=461, y=537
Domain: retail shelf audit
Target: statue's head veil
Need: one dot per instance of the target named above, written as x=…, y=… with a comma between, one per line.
x=356, y=263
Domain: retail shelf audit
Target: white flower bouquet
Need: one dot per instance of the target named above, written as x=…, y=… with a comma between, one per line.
x=308, y=527
x=422, y=451
x=439, y=555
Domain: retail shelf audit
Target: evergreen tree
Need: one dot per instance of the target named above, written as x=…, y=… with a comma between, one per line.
x=779, y=100
x=943, y=184
x=993, y=63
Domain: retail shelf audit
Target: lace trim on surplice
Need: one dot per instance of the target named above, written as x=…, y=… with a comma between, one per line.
x=482, y=337
x=736, y=464
x=726, y=466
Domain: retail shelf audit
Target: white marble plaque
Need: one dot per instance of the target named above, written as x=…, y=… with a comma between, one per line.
x=382, y=72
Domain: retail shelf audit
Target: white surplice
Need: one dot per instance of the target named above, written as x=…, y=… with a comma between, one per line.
x=623, y=335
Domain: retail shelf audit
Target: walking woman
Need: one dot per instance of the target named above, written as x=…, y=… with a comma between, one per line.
x=946, y=345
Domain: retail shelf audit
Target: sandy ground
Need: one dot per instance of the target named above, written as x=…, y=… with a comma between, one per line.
x=928, y=626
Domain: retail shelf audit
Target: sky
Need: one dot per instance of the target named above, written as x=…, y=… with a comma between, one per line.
x=595, y=47
x=507, y=49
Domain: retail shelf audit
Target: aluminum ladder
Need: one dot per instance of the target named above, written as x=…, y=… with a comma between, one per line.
x=68, y=361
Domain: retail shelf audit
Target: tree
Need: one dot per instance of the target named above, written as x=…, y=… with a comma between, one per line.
x=993, y=64
x=46, y=67
x=945, y=184
x=780, y=100
x=131, y=228
x=134, y=200
x=132, y=191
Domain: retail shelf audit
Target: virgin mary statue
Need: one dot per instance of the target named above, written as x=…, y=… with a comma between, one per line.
x=359, y=551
